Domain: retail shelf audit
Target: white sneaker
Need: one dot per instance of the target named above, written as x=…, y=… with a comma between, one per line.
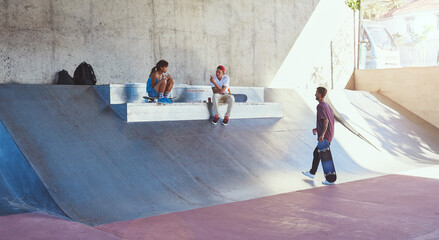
x=308, y=174
x=327, y=183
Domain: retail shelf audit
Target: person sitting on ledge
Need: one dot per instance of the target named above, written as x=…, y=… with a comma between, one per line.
x=162, y=85
x=221, y=94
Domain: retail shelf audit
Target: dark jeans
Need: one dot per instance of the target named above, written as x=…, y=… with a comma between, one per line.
x=315, y=161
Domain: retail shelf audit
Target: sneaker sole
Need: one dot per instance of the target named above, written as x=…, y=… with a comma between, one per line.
x=224, y=124
x=328, y=184
x=307, y=176
x=214, y=123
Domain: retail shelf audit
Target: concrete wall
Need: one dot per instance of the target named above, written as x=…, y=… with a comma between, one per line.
x=123, y=39
x=308, y=64
x=414, y=88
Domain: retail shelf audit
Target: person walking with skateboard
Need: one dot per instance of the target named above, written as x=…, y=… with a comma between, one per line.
x=221, y=94
x=324, y=130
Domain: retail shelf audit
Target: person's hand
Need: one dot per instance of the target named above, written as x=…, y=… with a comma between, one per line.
x=320, y=138
x=212, y=80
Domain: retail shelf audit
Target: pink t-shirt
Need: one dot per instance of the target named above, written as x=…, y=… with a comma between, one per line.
x=324, y=111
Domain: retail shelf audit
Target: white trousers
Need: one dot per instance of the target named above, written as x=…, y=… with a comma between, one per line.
x=223, y=98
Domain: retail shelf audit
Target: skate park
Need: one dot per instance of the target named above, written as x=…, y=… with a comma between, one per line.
x=88, y=162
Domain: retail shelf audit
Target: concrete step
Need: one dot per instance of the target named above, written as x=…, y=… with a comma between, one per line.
x=150, y=112
x=190, y=103
x=134, y=92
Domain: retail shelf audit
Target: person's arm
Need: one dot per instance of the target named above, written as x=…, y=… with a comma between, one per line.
x=153, y=79
x=166, y=76
x=223, y=89
x=225, y=85
x=325, y=128
x=216, y=88
x=322, y=116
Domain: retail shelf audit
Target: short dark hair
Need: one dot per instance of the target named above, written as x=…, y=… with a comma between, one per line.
x=322, y=91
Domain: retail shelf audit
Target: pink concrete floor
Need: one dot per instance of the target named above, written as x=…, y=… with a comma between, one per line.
x=41, y=226
x=389, y=207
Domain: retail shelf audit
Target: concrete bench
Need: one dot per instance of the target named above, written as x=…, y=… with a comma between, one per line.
x=134, y=92
x=190, y=103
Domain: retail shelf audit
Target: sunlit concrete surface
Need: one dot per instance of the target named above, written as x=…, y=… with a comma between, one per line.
x=414, y=88
x=327, y=34
x=389, y=127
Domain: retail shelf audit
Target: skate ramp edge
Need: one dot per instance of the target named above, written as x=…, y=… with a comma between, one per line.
x=406, y=142
x=190, y=103
x=21, y=189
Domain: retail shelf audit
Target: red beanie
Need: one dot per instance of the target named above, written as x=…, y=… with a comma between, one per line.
x=222, y=68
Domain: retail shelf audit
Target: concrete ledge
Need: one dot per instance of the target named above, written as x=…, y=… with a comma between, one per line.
x=134, y=92
x=190, y=103
x=121, y=110
x=142, y=112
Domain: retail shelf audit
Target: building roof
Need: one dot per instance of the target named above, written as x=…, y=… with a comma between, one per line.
x=417, y=6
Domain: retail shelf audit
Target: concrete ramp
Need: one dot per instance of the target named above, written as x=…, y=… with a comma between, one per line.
x=100, y=169
x=403, y=137
x=21, y=190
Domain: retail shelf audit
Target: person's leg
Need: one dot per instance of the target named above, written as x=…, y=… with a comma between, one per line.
x=169, y=85
x=216, y=99
x=230, y=100
x=153, y=93
x=160, y=88
x=315, y=161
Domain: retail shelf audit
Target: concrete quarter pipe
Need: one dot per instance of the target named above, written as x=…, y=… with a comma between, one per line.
x=100, y=169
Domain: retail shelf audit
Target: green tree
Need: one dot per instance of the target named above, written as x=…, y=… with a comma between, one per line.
x=374, y=9
x=391, y=4
x=371, y=10
x=353, y=4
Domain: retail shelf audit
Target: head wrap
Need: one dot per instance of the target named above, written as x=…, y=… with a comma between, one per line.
x=222, y=68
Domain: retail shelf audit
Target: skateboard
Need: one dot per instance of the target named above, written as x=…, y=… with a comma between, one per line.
x=153, y=99
x=327, y=163
x=240, y=97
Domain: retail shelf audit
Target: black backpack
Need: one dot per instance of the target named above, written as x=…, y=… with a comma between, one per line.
x=84, y=75
x=63, y=77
